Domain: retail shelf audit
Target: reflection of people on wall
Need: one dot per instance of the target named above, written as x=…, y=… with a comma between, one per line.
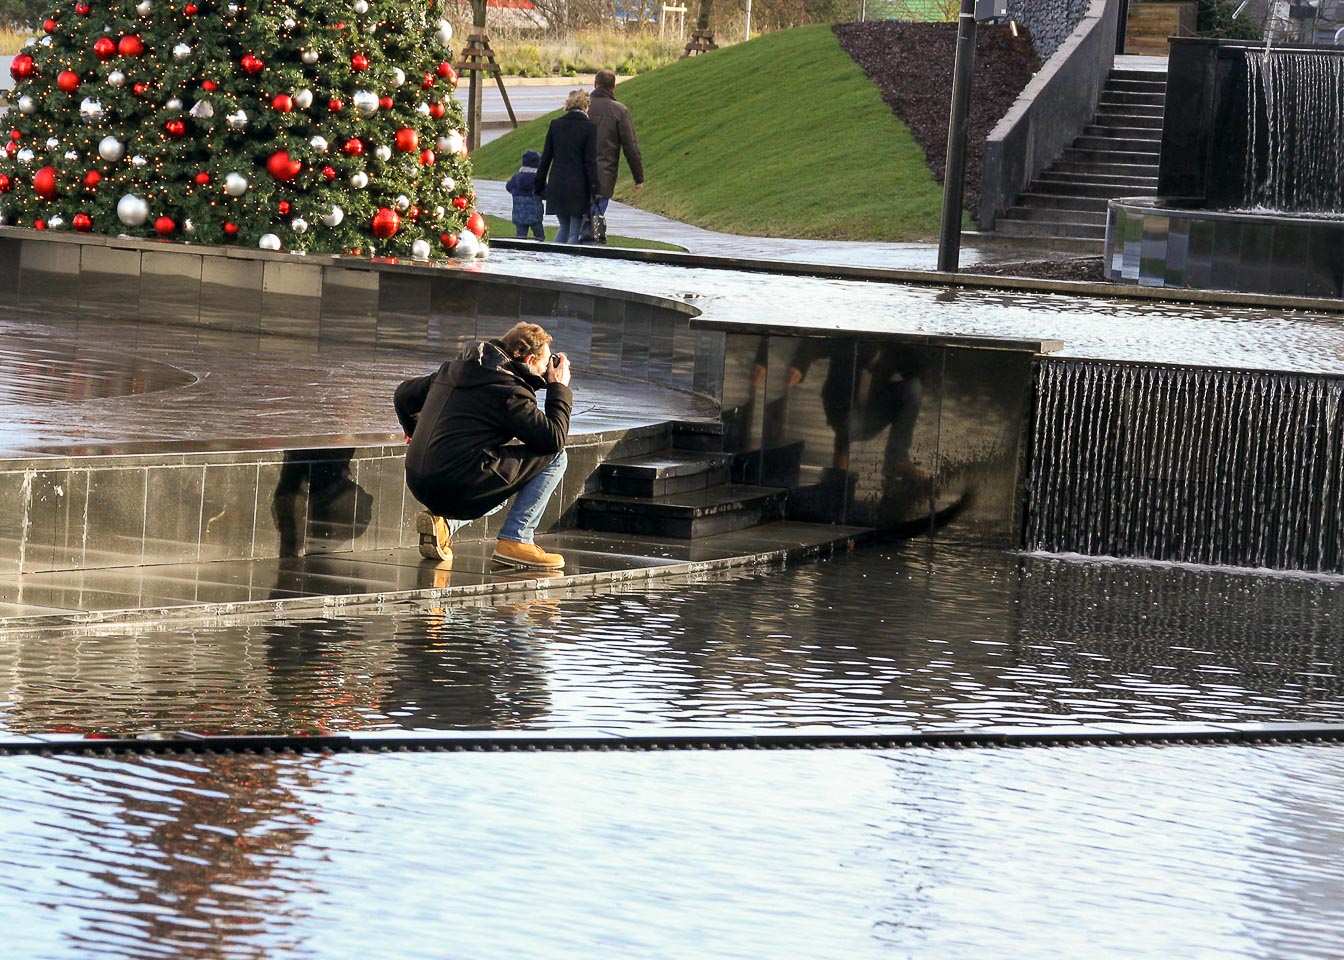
x=317, y=498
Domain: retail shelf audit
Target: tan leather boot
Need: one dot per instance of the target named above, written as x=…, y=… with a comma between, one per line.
x=527, y=555
x=434, y=537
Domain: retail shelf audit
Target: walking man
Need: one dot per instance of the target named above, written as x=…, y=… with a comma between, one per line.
x=461, y=463
x=615, y=135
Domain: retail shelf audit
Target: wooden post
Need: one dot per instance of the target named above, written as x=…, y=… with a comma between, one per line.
x=478, y=59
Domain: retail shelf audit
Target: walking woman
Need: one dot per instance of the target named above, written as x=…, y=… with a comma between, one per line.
x=567, y=174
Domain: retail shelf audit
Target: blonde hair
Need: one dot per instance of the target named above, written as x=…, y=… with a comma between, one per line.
x=577, y=100
x=525, y=339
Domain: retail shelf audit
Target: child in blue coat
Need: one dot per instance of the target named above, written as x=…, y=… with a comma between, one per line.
x=527, y=206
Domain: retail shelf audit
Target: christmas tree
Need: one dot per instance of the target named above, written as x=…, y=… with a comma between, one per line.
x=325, y=125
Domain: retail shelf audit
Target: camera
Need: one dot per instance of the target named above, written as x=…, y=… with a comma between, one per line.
x=555, y=359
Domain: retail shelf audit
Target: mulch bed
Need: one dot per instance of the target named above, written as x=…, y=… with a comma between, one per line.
x=1075, y=268
x=911, y=63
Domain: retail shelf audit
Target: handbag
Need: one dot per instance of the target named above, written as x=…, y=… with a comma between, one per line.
x=593, y=229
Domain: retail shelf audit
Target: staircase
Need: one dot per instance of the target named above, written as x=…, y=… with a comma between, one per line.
x=1116, y=156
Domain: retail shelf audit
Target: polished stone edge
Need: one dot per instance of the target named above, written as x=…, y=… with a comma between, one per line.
x=686, y=738
x=970, y=279
x=971, y=341
x=842, y=538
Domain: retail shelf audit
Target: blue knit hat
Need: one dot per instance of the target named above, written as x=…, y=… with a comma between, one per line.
x=531, y=158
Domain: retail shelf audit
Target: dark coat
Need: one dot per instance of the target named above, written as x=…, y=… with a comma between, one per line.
x=571, y=147
x=460, y=463
x=615, y=133
x=522, y=186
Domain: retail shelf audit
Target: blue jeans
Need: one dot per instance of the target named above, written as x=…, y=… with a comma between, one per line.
x=569, y=229
x=529, y=503
x=601, y=205
x=537, y=228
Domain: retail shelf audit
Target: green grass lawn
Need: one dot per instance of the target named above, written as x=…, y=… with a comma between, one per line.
x=780, y=136
x=501, y=227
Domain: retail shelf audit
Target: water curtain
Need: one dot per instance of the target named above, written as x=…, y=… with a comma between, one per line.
x=1294, y=131
x=1205, y=466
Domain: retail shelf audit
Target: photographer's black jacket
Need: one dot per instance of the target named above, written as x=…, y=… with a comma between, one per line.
x=461, y=419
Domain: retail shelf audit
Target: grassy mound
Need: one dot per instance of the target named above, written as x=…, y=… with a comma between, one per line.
x=503, y=227
x=781, y=136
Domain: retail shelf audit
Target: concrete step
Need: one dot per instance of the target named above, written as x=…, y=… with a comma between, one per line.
x=1117, y=131
x=1120, y=118
x=1118, y=97
x=1142, y=171
x=1118, y=181
x=1134, y=109
x=1119, y=144
x=1054, y=202
x=1055, y=215
x=685, y=516
x=1123, y=73
x=1043, y=229
x=1081, y=189
x=663, y=473
x=1116, y=84
x=1082, y=155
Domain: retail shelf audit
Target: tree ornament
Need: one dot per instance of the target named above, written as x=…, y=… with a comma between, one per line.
x=44, y=183
x=111, y=149
x=67, y=81
x=461, y=203
x=335, y=105
x=130, y=45
x=39, y=224
x=21, y=67
x=27, y=105
x=140, y=89
x=445, y=70
x=359, y=62
x=269, y=241
x=71, y=155
x=188, y=227
x=91, y=179
x=329, y=173
x=385, y=223
x=309, y=56
x=176, y=129
x=132, y=211
x=202, y=110
x=116, y=78
x=289, y=23
x=365, y=102
x=436, y=110
x=56, y=222
x=454, y=142
x=428, y=82
x=402, y=202
x=174, y=103
x=235, y=184
x=444, y=32
x=299, y=225
x=202, y=179
x=90, y=110
x=448, y=183
x=251, y=64
x=398, y=76
x=282, y=102
x=53, y=143
x=385, y=103
x=208, y=85
x=383, y=152
x=280, y=166
x=319, y=144
x=104, y=49
x=467, y=246
x=143, y=7
x=476, y=223
x=164, y=226
x=283, y=208
x=6, y=184
x=413, y=212
x=190, y=10
x=231, y=229
x=449, y=240
x=353, y=147
x=83, y=222
x=25, y=157
x=359, y=180
x=83, y=9
x=420, y=250
x=139, y=161
x=361, y=7
x=181, y=51
x=49, y=25
x=236, y=121
x=334, y=218
x=303, y=99
x=408, y=140
x=427, y=158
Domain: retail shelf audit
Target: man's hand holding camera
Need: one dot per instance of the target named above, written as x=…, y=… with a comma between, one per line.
x=557, y=371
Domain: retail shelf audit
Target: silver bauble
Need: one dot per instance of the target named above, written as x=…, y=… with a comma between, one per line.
x=202, y=110
x=143, y=7
x=402, y=202
x=269, y=241
x=439, y=211
x=188, y=227
x=303, y=99
x=334, y=218
x=181, y=51
x=420, y=250
x=467, y=244
x=132, y=211
x=236, y=121
x=25, y=156
x=448, y=183
x=235, y=184
x=365, y=102
x=299, y=225
x=116, y=78
x=370, y=29
x=52, y=143
x=27, y=105
x=444, y=32
x=309, y=57
x=383, y=152
x=359, y=180
x=398, y=76
x=111, y=149
x=139, y=161
x=441, y=144
x=56, y=222
x=361, y=6
x=174, y=104
x=45, y=42
x=319, y=144
x=482, y=251
x=288, y=23
x=233, y=9
x=90, y=110
x=72, y=154
x=422, y=109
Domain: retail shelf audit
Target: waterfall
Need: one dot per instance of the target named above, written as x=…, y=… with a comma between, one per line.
x=1294, y=159
x=1206, y=466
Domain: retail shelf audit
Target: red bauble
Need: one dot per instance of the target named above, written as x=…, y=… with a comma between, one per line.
x=68, y=81
x=283, y=207
x=428, y=81
x=39, y=224
x=436, y=110
x=386, y=223
x=208, y=85
x=49, y=26
x=190, y=10
x=140, y=89
x=104, y=48
x=21, y=67
x=15, y=135
x=407, y=140
x=5, y=184
x=413, y=213
x=231, y=229
x=202, y=178
x=12, y=147
x=449, y=240
x=353, y=147
x=329, y=173
x=92, y=179
x=252, y=65
x=427, y=158
x=282, y=102
x=335, y=105
x=385, y=103
x=130, y=45
x=83, y=222
x=44, y=183
x=447, y=72
x=280, y=166
x=476, y=223
x=359, y=62
x=164, y=226
x=461, y=203
x=175, y=129
x=82, y=9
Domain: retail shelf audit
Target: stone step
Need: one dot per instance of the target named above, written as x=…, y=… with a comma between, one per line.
x=1120, y=144
x=1123, y=118
x=1138, y=171
x=664, y=472
x=1118, y=97
x=1083, y=155
x=1125, y=73
x=1044, y=228
x=1054, y=202
x=685, y=516
x=1116, y=84
x=1151, y=135
x=1117, y=180
x=1056, y=214
x=1133, y=109
x=1081, y=189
